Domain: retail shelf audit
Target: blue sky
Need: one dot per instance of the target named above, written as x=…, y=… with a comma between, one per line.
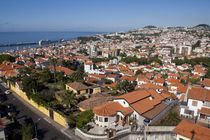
x=100, y=15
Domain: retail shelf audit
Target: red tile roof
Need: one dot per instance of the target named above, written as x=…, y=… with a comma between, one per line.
x=199, y=93
x=111, y=108
x=192, y=131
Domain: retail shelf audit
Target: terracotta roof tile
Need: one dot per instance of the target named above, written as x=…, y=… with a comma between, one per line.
x=204, y=110
x=111, y=108
x=206, y=82
x=77, y=86
x=185, y=128
x=199, y=93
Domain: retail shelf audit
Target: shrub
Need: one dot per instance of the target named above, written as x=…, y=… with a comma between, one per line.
x=84, y=118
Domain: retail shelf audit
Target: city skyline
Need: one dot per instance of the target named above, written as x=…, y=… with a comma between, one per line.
x=92, y=15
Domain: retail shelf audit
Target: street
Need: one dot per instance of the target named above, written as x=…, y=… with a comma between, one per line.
x=45, y=128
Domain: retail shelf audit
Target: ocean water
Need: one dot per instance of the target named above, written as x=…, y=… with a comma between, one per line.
x=17, y=37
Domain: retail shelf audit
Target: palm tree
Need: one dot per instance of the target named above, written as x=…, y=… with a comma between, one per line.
x=78, y=75
x=53, y=63
x=69, y=98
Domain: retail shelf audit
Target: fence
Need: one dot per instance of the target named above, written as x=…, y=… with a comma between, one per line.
x=47, y=111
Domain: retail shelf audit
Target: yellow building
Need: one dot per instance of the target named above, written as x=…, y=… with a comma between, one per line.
x=82, y=90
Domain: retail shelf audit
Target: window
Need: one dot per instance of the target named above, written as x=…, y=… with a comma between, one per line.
x=181, y=139
x=105, y=119
x=100, y=119
x=96, y=117
x=194, y=103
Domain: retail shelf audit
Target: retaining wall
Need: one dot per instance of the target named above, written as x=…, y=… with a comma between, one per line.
x=56, y=116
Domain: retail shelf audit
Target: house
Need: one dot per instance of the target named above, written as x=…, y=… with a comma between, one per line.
x=206, y=83
x=159, y=81
x=173, y=75
x=186, y=130
x=112, y=77
x=149, y=85
x=97, y=76
x=198, y=103
x=139, y=105
x=89, y=67
x=199, y=70
x=62, y=69
x=96, y=100
x=130, y=79
x=82, y=90
x=141, y=79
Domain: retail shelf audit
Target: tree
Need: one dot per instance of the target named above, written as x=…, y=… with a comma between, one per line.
x=126, y=86
x=171, y=119
x=78, y=75
x=13, y=79
x=30, y=84
x=123, y=54
x=6, y=57
x=68, y=98
x=68, y=64
x=107, y=81
x=208, y=73
x=27, y=132
x=138, y=72
x=60, y=76
x=47, y=95
x=197, y=44
x=45, y=75
x=53, y=63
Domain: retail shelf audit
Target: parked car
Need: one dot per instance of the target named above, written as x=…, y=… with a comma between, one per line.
x=8, y=92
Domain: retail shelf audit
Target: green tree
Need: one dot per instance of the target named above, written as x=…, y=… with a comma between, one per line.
x=46, y=95
x=208, y=73
x=27, y=132
x=69, y=98
x=172, y=119
x=107, y=81
x=84, y=118
x=53, y=63
x=126, y=86
x=197, y=44
x=68, y=64
x=30, y=84
x=123, y=54
x=45, y=75
x=78, y=75
x=60, y=76
x=6, y=57
x=138, y=72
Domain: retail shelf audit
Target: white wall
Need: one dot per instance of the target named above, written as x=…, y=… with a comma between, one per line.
x=123, y=102
x=139, y=118
x=207, y=87
x=111, y=120
x=179, y=136
x=194, y=108
x=182, y=111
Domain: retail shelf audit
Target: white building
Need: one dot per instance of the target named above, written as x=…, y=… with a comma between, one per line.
x=198, y=103
x=139, y=105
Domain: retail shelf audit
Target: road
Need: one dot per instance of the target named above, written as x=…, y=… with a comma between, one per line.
x=45, y=128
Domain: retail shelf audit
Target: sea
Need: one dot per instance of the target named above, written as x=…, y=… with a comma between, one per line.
x=20, y=37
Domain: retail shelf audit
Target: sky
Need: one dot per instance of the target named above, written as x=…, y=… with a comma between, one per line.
x=100, y=15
